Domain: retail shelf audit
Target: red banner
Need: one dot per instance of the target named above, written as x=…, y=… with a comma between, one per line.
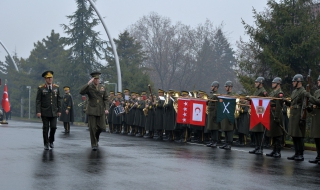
x=260, y=112
x=5, y=99
x=191, y=111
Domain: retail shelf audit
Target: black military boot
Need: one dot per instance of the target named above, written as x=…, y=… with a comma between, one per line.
x=259, y=151
x=271, y=154
x=315, y=161
x=299, y=157
x=228, y=146
x=293, y=157
x=278, y=151
x=214, y=144
x=223, y=146
x=254, y=150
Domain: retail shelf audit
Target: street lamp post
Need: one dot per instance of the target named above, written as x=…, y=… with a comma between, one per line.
x=29, y=87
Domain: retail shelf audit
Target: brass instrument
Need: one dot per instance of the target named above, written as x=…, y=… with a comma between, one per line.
x=126, y=107
x=195, y=94
x=237, y=113
x=175, y=103
x=146, y=108
x=167, y=95
x=81, y=103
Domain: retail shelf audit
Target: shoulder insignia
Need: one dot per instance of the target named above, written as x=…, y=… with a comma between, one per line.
x=43, y=85
x=55, y=85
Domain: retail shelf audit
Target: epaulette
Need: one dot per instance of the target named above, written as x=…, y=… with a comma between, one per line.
x=55, y=85
x=42, y=85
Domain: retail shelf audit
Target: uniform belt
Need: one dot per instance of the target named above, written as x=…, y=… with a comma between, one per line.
x=295, y=107
x=316, y=107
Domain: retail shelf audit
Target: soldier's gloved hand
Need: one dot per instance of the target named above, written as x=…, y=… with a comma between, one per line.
x=277, y=120
x=309, y=109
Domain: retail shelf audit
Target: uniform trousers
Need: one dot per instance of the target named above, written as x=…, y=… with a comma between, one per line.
x=48, y=122
x=95, y=127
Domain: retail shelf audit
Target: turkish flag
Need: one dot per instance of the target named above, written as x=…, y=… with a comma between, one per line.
x=260, y=112
x=5, y=99
x=191, y=111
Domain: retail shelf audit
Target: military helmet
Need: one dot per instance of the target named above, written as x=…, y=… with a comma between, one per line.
x=215, y=84
x=297, y=78
x=228, y=83
x=319, y=77
x=277, y=80
x=260, y=79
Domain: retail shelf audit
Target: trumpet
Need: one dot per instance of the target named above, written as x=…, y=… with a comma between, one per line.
x=81, y=103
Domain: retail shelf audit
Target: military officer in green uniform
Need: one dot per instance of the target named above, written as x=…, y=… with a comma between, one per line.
x=258, y=130
x=226, y=126
x=67, y=113
x=97, y=108
x=48, y=107
x=212, y=125
x=169, y=117
x=297, y=126
x=149, y=111
x=243, y=120
x=314, y=111
x=158, y=119
x=276, y=118
x=117, y=119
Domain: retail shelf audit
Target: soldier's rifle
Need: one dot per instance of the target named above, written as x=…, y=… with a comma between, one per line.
x=306, y=99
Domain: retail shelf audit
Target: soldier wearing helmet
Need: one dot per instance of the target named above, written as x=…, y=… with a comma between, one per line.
x=276, y=118
x=258, y=130
x=212, y=126
x=297, y=126
x=226, y=126
x=314, y=109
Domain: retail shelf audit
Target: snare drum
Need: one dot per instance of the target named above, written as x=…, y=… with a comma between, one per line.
x=119, y=110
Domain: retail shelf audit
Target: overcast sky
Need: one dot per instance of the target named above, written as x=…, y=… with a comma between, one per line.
x=24, y=22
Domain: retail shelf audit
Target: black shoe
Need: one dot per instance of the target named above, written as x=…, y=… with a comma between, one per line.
x=277, y=155
x=259, y=152
x=94, y=148
x=223, y=146
x=179, y=141
x=299, y=158
x=292, y=157
x=228, y=147
x=209, y=145
x=253, y=151
x=138, y=135
x=214, y=145
x=271, y=154
x=46, y=147
x=51, y=145
x=315, y=161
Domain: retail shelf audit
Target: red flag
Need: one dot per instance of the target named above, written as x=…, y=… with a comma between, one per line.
x=260, y=112
x=183, y=111
x=191, y=111
x=5, y=99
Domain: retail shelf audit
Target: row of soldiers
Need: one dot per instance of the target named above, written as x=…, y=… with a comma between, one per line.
x=155, y=117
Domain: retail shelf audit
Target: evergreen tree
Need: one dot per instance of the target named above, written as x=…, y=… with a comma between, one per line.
x=284, y=42
x=86, y=45
x=131, y=57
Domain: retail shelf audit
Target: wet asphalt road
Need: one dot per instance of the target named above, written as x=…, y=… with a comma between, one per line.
x=125, y=162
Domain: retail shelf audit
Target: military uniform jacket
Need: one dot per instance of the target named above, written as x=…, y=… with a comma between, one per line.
x=295, y=130
x=48, y=103
x=158, y=122
x=169, y=118
x=263, y=93
x=67, y=104
x=132, y=111
x=141, y=106
x=276, y=112
x=212, y=113
x=315, y=115
x=226, y=125
x=98, y=99
x=243, y=121
x=150, y=117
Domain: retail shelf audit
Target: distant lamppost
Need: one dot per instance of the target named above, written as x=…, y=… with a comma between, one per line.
x=115, y=86
x=29, y=87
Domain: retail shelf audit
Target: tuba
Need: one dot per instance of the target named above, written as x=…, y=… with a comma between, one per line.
x=175, y=102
